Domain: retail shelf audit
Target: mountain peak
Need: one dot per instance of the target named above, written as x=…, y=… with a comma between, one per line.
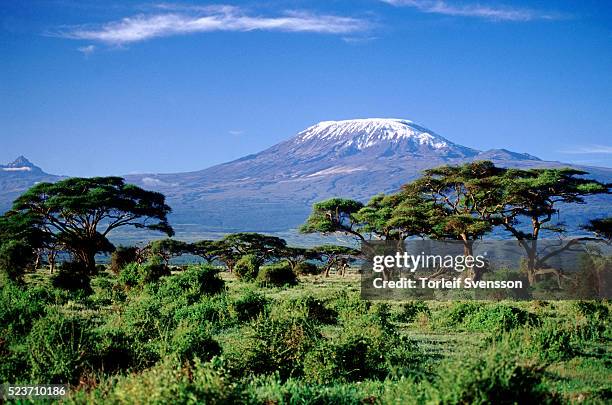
x=21, y=164
x=384, y=134
x=21, y=161
x=382, y=129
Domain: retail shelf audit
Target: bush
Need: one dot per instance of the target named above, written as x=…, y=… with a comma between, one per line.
x=19, y=308
x=58, y=349
x=134, y=274
x=550, y=343
x=121, y=257
x=272, y=345
x=248, y=305
x=363, y=350
x=277, y=274
x=194, y=341
x=499, y=318
x=169, y=382
x=73, y=276
x=306, y=268
x=495, y=377
x=247, y=267
x=189, y=285
x=15, y=256
x=411, y=310
x=456, y=314
x=310, y=308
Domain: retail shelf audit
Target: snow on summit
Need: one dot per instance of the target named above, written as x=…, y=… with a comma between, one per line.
x=368, y=132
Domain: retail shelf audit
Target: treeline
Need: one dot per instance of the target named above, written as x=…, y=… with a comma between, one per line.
x=463, y=202
x=468, y=202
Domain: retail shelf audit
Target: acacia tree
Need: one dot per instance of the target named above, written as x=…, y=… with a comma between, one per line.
x=79, y=213
x=209, y=250
x=602, y=228
x=335, y=256
x=20, y=240
x=296, y=255
x=168, y=248
x=535, y=195
x=334, y=215
x=460, y=202
x=263, y=247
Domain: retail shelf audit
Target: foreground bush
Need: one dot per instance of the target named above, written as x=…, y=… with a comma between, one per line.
x=15, y=256
x=192, y=283
x=169, y=382
x=73, y=276
x=58, y=349
x=363, y=350
x=276, y=275
x=121, y=257
x=134, y=274
x=271, y=345
x=497, y=376
x=247, y=267
x=307, y=268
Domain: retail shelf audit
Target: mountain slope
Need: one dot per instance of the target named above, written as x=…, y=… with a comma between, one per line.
x=274, y=189
x=18, y=176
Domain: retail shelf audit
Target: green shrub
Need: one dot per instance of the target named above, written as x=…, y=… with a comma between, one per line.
x=499, y=318
x=193, y=340
x=363, y=350
x=494, y=377
x=549, y=342
x=208, y=309
x=306, y=268
x=15, y=256
x=134, y=274
x=271, y=345
x=169, y=382
x=248, y=305
x=311, y=308
x=458, y=312
x=73, y=276
x=121, y=257
x=191, y=284
x=247, y=267
x=410, y=310
x=19, y=308
x=277, y=274
x=58, y=349
x=592, y=310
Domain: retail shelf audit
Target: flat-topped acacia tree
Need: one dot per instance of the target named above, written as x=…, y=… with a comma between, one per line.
x=79, y=213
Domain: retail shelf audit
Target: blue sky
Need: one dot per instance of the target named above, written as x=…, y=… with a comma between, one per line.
x=98, y=88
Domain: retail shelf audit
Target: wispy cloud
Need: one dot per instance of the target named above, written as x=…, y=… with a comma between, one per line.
x=589, y=149
x=87, y=50
x=493, y=13
x=208, y=19
x=235, y=132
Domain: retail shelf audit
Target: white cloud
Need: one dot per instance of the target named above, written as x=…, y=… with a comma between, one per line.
x=212, y=18
x=235, y=132
x=589, y=149
x=87, y=50
x=494, y=13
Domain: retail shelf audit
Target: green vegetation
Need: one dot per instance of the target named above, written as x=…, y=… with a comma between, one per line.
x=196, y=336
x=263, y=322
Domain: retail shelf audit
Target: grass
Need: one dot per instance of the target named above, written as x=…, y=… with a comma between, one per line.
x=315, y=342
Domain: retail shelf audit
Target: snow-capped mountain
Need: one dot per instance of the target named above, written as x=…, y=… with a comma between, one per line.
x=18, y=176
x=273, y=190
x=379, y=134
x=21, y=164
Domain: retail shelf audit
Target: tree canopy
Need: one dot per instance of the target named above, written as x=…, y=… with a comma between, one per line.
x=79, y=213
